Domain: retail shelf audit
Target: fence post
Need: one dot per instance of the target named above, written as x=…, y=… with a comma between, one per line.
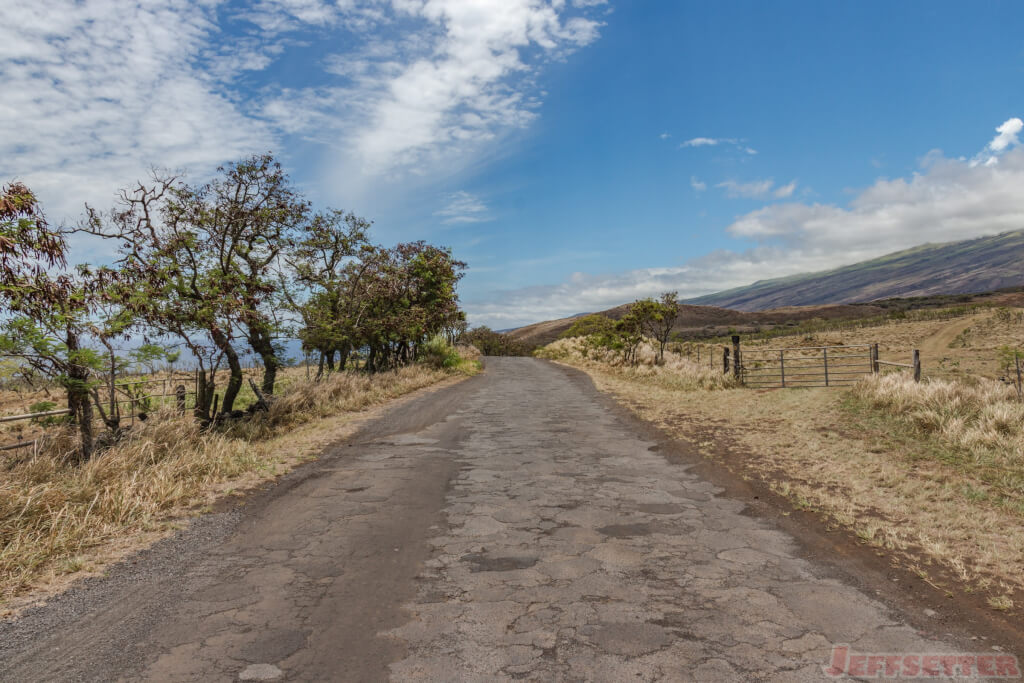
x=824, y=353
x=1020, y=386
x=782, y=367
x=179, y=394
x=736, y=365
x=917, y=365
x=874, y=358
x=725, y=360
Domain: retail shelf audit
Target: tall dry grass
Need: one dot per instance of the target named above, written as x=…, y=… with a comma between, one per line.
x=677, y=372
x=981, y=421
x=52, y=509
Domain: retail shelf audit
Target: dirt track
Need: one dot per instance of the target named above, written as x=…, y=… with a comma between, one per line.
x=512, y=526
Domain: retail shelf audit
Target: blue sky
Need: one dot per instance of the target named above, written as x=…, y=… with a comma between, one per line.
x=577, y=153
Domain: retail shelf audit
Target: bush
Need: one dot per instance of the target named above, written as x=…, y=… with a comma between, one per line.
x=438, y=353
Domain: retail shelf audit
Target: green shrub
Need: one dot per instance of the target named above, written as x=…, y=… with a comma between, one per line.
x=438, y=353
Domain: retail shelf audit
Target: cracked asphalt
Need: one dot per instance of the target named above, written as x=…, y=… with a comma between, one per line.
x=513, y=526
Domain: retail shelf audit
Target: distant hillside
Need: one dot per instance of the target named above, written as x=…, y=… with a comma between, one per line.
x=978, y=265
x=706, y=321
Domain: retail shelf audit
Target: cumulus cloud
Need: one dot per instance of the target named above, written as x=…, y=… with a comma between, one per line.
x=945, y=200
x=1007, y=135
x=463, y=207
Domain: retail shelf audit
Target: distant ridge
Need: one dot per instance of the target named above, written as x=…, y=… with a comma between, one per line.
x=978, y=265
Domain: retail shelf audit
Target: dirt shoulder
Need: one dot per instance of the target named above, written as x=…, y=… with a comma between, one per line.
x=246, y=467
x=857, y=494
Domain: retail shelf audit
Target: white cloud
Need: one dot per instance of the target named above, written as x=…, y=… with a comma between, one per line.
x=468, y=79
x=946, y=200
x=757, y=189
x=785, y=191
x=715, y=142
x=698, y=184
x=464, y=207
x=96, y=92
x=705, y=142
x=665, y=136
x=1008, y=135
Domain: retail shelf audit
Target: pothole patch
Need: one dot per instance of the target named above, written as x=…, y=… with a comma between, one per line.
x=480, y=562
x=260, y=672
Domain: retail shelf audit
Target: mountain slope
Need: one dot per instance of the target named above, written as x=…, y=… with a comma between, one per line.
x=978, y=265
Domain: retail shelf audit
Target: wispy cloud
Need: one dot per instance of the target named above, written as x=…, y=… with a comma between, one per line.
x=757, y=189
x=697, y=184
x=945, y=200
x=460, y=75
x=464, y=207
x=97, y=92
x=714, y=142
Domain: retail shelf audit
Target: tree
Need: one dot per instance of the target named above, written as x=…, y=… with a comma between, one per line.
x=168, y=276
x=595, y=323
x=325, y=271
x=48, y=312
x=491, y=343
x=658, y=318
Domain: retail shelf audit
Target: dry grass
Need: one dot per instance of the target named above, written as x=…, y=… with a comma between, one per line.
x=978, y=426
x=957, y=348
x=53, y=512
x=676, y=373
x=929, y=474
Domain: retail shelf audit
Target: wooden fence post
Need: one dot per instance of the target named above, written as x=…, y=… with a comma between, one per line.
x=824, y=353
x=917, y=365
x=782, y=367
x=874, y=358
x=179, y=394
x=736, y=365
x=725, y=360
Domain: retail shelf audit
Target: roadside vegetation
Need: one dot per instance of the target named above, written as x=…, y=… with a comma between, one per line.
x=213, y=275
x=930, y=474
x=491, y=343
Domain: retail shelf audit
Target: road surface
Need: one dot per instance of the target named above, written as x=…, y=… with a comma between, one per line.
x=514, y=526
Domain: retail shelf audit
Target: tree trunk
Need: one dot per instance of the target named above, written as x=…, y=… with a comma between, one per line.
x=320, y=367
x=78, y=397
x=204, y=393
x=235, y=380
x=261, y=344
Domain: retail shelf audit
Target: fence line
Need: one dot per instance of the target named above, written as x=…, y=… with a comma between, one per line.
x=807, y=366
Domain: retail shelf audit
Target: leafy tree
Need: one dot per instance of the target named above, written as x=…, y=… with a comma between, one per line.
x=47, y=312
x=588, y=325
x=491, y=343
x=658, y=318
x=168, y=276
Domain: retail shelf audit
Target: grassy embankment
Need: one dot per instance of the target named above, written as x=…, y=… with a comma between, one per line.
x=58, y=518
x=930, y=474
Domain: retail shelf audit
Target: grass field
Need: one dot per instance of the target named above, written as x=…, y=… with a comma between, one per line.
x=930, y=474
x=58, y=518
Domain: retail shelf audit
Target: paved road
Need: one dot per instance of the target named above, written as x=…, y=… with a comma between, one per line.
x=512, y=526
